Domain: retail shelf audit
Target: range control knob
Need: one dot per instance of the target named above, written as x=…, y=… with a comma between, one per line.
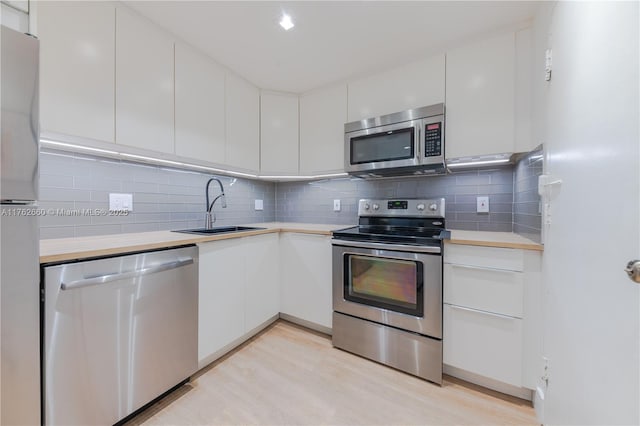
x=366, y=206
x=433, y=207
x=420, y=206
x=376, y=207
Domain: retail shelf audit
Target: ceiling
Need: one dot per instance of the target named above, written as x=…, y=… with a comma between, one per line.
x=331, y=40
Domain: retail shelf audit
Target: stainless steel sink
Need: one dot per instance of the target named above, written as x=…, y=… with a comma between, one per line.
x=218, y=230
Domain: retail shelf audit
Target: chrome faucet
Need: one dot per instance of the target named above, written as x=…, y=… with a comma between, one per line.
x=210, y=217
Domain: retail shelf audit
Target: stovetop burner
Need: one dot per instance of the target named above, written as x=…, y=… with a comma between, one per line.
x=413, y=222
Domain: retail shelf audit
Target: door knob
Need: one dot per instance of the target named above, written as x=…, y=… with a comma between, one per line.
x=633, y=270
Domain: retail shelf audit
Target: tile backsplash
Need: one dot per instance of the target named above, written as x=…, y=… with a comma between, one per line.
x=313, y=201
x=163, y=198
x=166, y=198
x=527, y=217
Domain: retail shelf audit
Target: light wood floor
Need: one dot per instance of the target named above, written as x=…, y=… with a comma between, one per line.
x=288, y=375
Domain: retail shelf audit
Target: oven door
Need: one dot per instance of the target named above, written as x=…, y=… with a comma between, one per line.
x=383, y=147
x=395, y=285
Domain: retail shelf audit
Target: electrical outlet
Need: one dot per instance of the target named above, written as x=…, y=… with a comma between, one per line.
x=121, y=202
x=259, y=205
x=336, y=205
x=483, y=205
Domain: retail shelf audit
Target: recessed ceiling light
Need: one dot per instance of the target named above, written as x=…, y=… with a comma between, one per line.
x=286, y=22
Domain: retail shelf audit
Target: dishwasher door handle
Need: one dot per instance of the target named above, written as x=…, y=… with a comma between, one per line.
x=87, y=282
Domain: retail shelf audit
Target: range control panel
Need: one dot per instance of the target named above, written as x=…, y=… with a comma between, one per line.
x=401, y=207
x=433, y=139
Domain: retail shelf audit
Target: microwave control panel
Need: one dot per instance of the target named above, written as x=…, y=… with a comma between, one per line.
x=433, y=140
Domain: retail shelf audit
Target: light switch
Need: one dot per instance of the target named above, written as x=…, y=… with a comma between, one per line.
x=259, y=205
x=483, y=205
x=121, y=202
x=336, y=205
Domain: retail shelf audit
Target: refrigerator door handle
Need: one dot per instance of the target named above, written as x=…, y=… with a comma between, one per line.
x=87, y=282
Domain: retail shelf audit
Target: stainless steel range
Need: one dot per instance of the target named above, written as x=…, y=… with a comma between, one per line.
x=387, y=285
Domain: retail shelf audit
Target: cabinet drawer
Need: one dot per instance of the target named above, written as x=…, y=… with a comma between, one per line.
x=494, y=290
x=483, y=343
x=488, y=257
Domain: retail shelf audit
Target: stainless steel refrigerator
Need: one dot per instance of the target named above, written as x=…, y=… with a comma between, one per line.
x=19, y=235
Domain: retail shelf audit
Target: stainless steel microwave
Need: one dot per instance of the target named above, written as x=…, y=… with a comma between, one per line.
x=404, y=143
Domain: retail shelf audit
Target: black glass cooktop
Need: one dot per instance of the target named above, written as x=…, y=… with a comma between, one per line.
x=392, y=234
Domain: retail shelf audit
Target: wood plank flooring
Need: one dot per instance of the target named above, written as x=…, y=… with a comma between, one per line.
x=288, y=375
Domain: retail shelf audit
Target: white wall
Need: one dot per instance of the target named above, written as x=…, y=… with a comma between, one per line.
x=591, y=310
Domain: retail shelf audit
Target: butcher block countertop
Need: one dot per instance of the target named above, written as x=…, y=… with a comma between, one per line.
x=493, y=239
x=67, y=249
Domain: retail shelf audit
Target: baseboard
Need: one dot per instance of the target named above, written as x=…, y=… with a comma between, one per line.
x=306, y=324
x=237, y=342
x=522, y=393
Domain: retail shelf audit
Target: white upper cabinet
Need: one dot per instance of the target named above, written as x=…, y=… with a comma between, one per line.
x=77, y=58
x=278, y=133
x=144, y=84
x=200, y=116
x=414, y=85
x=481, y=98
x=323, y=113
x=243, y=124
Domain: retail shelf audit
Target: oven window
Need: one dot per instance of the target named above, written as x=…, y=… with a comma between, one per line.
x=385, y=146
x=392, y=284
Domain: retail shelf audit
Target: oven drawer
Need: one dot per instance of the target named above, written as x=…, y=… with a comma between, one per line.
x=485, y=257
x=493, y=290
x=483, y=343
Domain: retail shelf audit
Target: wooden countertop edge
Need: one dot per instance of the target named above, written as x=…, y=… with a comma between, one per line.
x=500, y=244
x=195, y=239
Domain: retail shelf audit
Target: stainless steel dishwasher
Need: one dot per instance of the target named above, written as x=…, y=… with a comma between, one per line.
x=117, y=333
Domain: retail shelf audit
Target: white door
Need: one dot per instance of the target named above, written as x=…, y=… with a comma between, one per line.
x=591, y=309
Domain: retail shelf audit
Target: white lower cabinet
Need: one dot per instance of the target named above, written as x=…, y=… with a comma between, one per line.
x=238, y=291
x=262, y=299
x=491, y=316
x=306, y=278
x=483, y=343
x=221, y=296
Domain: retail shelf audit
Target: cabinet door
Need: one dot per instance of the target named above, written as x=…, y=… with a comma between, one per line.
x=412, y=86
x=243, y=124
x=144, y=84
x=322, y=116
x=278, y=133
x=77, y=52
x=306, y=277
x=483, y=343
x=480, y=98
x=262, y=300
x=199, y=106
x=222, y=278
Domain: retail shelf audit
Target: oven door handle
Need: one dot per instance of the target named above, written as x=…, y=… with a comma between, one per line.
x=386, y=246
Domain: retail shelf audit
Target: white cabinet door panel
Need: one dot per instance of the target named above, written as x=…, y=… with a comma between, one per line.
x=200, y=116
x=414, y=85
x=483, y=343
x=480, y=98
x=242, y=123
x=487, y=289
x=144, y=84
x=221, y=295
x=485, y=257
x=77, y=59
x=262, y=300
x=322, y=116
x=278, y=133
x=306, y=277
